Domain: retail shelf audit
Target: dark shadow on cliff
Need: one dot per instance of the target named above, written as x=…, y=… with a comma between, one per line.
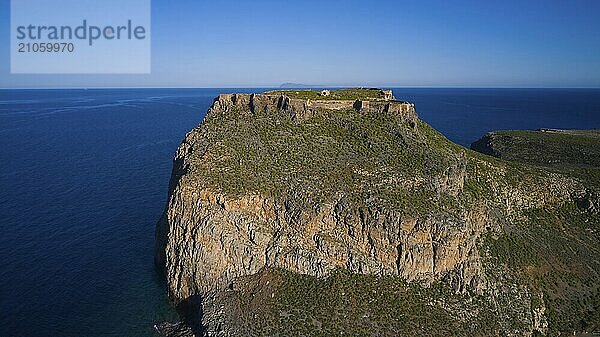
x=160, y=237
x=190, y=309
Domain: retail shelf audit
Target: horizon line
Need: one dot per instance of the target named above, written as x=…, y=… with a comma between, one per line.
x=311, y=87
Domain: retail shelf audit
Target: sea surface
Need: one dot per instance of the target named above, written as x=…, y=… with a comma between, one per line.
x=84, y=177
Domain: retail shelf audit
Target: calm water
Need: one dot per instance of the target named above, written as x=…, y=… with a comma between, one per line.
x=84, y=176
x=464, y=115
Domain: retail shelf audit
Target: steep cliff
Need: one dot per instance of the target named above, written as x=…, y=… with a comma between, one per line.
x=271, y=187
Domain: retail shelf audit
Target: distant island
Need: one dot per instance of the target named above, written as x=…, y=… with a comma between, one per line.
x=340, y=212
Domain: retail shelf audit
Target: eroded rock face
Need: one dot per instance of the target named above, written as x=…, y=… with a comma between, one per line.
x=207, y=238
x=213, y=239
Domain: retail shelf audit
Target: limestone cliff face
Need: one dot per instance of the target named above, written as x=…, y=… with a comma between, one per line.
x=209, y=236
x=213, y=239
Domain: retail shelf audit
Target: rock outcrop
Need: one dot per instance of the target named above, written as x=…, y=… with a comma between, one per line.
x=210, y=238
x=270, y=181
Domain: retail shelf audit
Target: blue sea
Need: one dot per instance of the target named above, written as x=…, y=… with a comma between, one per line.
x=84, y=177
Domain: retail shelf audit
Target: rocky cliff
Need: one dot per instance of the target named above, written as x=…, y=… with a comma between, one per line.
x=278, y=185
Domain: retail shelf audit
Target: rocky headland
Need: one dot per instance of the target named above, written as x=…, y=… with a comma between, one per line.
x=341, y=212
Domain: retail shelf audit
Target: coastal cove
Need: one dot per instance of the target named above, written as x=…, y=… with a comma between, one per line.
x=86, y=172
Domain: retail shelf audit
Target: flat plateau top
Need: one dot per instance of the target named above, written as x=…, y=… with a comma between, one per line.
x=336, y=95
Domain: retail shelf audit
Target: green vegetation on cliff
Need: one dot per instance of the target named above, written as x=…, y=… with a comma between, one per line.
x=574, y=152
x=554, y=250
x=341, y=152
x=377, y=191
x=555, y=253
x=547, y=147
x=347, y=304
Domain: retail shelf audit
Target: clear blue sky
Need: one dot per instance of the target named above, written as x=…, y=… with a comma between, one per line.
x=472, y=43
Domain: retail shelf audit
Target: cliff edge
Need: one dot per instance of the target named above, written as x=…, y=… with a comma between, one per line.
x=277, y=197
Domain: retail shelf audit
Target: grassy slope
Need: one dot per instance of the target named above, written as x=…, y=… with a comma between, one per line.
x=555, y=251
x=344, y=152
x=347, y=304
x=574, y=152
x=556, y=149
